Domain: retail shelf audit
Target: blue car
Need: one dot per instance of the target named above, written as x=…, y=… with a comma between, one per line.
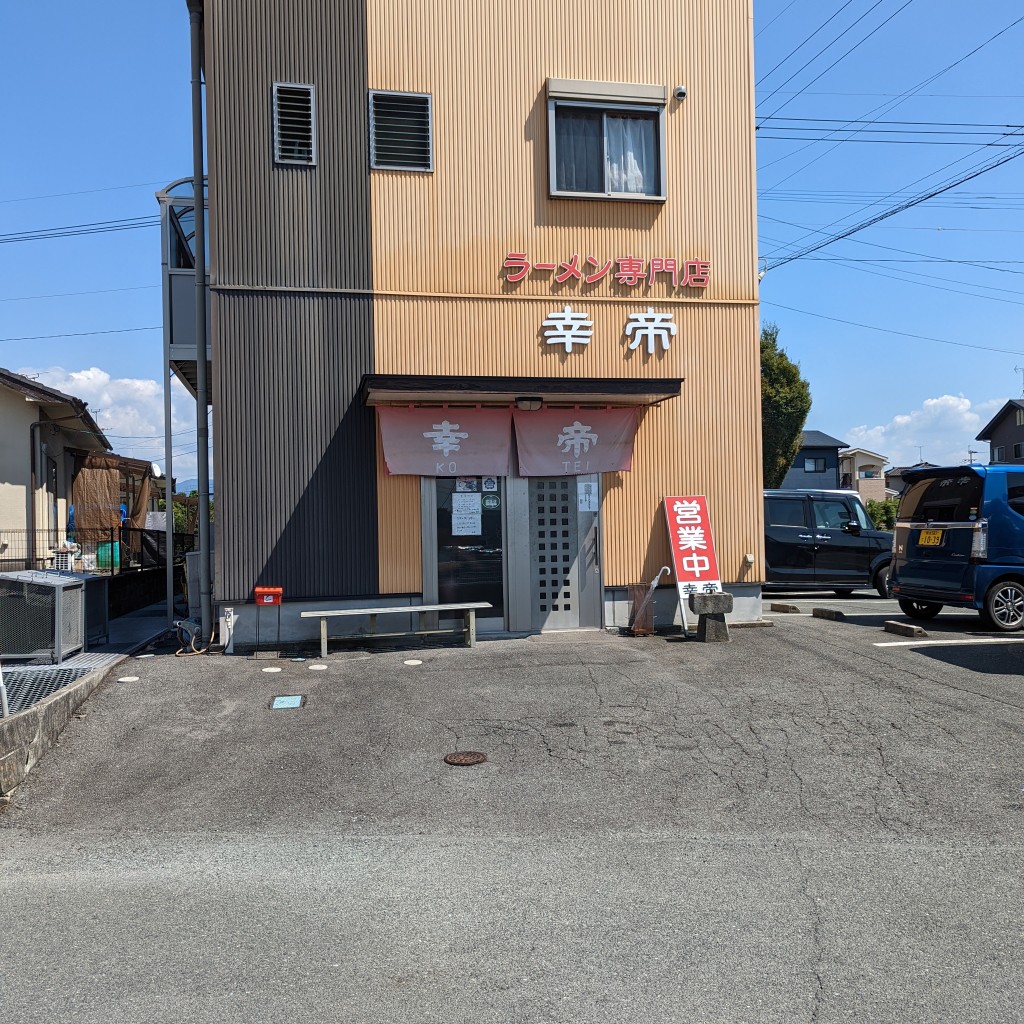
x=959, y=542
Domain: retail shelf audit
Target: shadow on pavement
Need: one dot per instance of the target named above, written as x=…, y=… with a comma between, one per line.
x=989, y=659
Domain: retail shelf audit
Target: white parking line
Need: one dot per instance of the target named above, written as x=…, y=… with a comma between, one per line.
x=952, y=643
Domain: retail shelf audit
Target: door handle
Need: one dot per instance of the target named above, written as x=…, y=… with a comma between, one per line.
x=822, y=536
x=805, y=536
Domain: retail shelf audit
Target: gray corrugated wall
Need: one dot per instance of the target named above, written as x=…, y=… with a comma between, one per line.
x=294, y=454
x=295, y=490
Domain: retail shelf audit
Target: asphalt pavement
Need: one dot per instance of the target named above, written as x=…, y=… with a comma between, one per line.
x=797, y=825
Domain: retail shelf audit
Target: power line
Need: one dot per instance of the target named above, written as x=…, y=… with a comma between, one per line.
x=887, y=106
x=92, y=228
x=891, y=142
x=66, y=295
x=800, y=46
x=843, y=56
x=82, y=334
x=87, y=192
x=974, y=173
x=887, y=330
x=891, y=248
x=898, y=192
x=775, y=19
x=945, y=284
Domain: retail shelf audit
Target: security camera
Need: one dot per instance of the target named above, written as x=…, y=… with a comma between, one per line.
x=679, y=92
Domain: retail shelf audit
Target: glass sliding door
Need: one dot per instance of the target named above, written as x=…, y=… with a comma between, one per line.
x=470, y=544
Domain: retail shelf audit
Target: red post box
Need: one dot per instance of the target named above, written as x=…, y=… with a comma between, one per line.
x=268, y=595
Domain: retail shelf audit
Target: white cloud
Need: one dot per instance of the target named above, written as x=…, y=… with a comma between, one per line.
x=130, y=411
x=940, y=431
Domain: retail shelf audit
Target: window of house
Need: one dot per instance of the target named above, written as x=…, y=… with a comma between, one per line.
x=1020, y=417
x=294, y=124
x=814, y=465
x=606, y=141
x=401, y=131
x=1018, y=451
x=998, y=454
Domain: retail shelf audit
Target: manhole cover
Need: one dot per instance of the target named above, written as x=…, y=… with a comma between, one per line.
x=463, y=758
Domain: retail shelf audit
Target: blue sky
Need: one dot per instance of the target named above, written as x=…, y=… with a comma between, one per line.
x=98, y=119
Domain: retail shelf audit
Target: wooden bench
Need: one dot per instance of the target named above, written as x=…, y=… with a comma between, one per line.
x=468, y=609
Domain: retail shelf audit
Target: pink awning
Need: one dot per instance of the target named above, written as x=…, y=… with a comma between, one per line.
x=572, y=442
x=446, y=442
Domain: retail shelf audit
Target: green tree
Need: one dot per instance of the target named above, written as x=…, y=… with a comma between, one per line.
x=883, y=513
x=785, y=403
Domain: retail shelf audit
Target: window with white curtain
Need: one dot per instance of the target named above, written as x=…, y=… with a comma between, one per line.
x=606, y=150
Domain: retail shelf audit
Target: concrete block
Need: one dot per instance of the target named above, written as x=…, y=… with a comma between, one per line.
x=828, y=613
x=790, y=609
x=711, y=610
x=904, y=628
x=710, y=604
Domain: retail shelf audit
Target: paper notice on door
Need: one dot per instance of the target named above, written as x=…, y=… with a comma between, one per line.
x=586, y=498
x=466, y=516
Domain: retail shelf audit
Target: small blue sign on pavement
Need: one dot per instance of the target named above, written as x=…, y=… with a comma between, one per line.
x=287, y=701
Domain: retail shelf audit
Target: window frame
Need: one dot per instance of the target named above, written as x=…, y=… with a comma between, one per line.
x=283, y=161
x=405, y=168
x=998, y=453
x=1020, y=417
x=815, y=459
x=1018, y=450
x=608, y=99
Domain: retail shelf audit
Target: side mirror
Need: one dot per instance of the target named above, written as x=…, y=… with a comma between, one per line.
x=852, y=527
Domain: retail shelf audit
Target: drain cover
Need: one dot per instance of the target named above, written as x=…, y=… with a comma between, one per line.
x=462, y=758
x=287, y=702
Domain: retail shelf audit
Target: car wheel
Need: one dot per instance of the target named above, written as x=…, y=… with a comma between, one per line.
x=1004, y=606
x=843, y=592
x=882, y=581
x=919, y=609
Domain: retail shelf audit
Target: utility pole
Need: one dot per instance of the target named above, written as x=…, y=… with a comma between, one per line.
x=1020, y=370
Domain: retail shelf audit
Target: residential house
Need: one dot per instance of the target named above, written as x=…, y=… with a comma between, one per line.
x=817, y=462
x=894, y=481
x=863, y=471
x=1005, y=433
x=48, y=438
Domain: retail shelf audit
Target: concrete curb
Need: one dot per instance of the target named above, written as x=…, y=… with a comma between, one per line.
x=28, y=735
x=828, y=613
x=903, y=628
x=789, y=609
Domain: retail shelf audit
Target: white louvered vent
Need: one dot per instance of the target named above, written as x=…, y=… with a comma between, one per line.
x=294, y=124
x=401, y=131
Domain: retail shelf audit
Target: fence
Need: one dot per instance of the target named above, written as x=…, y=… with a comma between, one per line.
x=109, y=552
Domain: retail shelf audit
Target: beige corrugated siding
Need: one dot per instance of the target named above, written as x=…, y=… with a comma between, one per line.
x=398, y=527
x=440, y=240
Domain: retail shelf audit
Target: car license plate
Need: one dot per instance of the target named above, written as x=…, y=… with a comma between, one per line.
x=930, y=538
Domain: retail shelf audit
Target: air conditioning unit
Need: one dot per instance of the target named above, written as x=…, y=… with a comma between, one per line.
x=42, y=615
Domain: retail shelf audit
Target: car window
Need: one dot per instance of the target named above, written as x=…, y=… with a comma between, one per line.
x=784, y=512
x=1015, y=492
x=862, y=517
x=831, y=514
x=949, y=495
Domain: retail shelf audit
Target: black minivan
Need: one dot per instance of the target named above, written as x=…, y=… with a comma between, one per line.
x=960, y=542
x=823, y=540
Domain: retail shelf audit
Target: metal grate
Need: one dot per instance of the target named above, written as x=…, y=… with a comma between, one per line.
x=401, y=136
x=28, y=686
x=294, y=137
x=42, y=615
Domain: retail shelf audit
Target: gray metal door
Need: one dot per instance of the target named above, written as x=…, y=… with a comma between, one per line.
x=565, y=571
